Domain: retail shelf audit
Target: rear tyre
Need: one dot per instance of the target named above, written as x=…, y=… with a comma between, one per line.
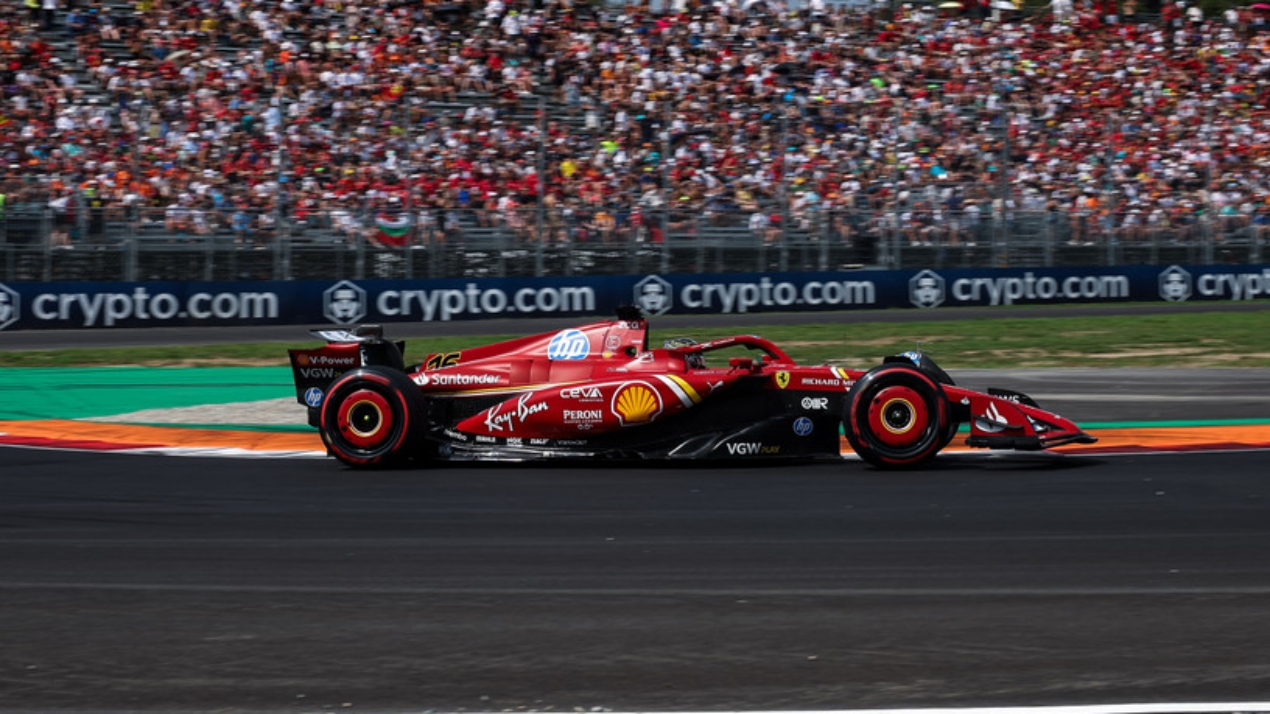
x=897, y=417
x=372, y=417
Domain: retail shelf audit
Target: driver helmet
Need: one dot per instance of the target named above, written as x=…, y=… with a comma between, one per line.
x=694, y=360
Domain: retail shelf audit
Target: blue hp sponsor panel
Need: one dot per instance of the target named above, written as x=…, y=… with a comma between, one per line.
x=568, y=345
x=27, y=306
x=803, y=426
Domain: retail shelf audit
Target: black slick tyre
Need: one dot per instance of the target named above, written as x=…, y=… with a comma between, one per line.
x=372, y=417
x=897, y=417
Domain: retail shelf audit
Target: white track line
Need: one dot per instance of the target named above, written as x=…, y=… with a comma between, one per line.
x=1192, y=708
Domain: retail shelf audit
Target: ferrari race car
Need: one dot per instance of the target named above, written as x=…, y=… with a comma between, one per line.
x=599, y=391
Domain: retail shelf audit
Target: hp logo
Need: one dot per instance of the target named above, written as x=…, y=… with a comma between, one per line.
x=568, y=345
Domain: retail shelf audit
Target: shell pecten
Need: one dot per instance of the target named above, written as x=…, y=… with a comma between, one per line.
x=636, y=403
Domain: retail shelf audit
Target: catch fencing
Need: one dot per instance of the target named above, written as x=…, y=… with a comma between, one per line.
x=38, y=244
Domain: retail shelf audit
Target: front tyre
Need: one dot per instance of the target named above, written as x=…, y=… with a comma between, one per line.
x=896, y=417
x=372, y=417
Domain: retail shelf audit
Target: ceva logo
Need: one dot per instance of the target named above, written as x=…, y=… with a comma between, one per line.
x=926, y=289
x=1175, y=284
x=344, y=303
x=654, y=295
x=10, y=306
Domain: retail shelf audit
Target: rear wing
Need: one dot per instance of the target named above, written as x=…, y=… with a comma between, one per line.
x=345, y=350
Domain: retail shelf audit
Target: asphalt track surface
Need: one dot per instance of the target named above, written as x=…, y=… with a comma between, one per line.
x=148, y=583
x=134, y=583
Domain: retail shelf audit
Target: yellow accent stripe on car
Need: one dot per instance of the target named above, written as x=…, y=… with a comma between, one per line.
x=681, y=388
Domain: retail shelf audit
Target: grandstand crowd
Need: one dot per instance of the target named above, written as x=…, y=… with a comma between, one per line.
x=932, y=117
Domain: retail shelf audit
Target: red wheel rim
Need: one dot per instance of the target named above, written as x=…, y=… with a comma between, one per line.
x=898, y=416
x=365, y=419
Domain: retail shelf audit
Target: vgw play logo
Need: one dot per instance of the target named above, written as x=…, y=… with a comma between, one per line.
x=10, y=306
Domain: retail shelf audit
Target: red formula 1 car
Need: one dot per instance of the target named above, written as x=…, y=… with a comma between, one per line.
x=599, y=391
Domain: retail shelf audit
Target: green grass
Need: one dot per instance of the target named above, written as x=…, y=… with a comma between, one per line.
x=1178, y=340
x=1183, y=340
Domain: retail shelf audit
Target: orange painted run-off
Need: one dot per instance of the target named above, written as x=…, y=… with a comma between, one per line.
x=1177, y=438
x=123, y=436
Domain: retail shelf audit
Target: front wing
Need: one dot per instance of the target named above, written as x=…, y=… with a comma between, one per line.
x=1002, y=419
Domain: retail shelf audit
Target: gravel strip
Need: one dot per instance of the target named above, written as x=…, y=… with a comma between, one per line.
x=267, y=412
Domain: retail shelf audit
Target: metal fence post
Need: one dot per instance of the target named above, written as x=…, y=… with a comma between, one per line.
x=1209, y=240
x=282, y=250
x=46, y=240
x=701, y=248
x=664, y=265
x=1052, y=235
x=500, y=245
x=827, y=233
x=209, y=259
x=4, y=243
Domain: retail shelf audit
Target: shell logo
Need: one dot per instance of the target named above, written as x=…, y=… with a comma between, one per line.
x=636, y=403
x=303, y=360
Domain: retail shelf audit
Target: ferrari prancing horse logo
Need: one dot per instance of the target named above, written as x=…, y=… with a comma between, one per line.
x=782, y=379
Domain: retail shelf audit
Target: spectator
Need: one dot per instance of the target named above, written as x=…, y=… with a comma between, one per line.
x=176, y=218
x=48, y=13
x=241, y=224
x=823, y=99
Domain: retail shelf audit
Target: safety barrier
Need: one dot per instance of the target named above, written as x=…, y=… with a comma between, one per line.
x=40, y=305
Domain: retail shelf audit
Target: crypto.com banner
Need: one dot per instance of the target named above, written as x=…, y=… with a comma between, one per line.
x=31, y=306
